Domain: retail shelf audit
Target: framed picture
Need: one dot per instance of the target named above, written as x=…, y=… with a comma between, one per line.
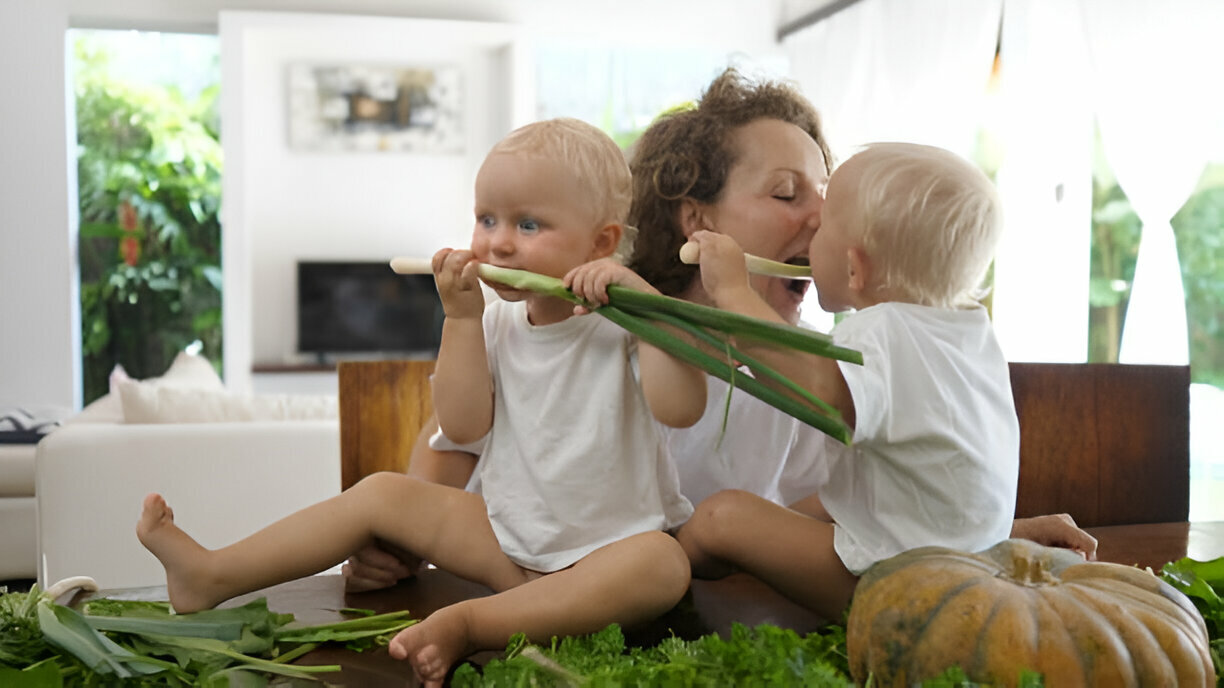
x=375, y=108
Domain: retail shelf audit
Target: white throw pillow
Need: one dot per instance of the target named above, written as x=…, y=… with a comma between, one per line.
x=144, y=404
x=187, y=371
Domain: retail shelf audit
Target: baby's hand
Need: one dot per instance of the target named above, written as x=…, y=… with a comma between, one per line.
x=723, y=268
x=590, y=281
x=458, y=286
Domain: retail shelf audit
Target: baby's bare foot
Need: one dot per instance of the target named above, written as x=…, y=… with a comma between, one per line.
x=181, y=556
x=434, y=644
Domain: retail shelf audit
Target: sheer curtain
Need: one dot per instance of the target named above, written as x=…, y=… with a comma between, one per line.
x=1044, y=119
x=899, y=70
x=1161, y=113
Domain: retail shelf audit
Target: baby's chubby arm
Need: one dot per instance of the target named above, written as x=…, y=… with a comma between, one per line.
x=724, y=275
x=462, y=384
x=675, y=391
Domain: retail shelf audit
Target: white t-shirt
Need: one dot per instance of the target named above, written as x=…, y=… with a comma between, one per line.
x=762, y=450
x=575, y=460
x=936, y=450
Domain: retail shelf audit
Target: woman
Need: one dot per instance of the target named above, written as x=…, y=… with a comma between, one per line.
x=749, y=161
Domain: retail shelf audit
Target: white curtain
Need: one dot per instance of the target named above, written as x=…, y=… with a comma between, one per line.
x=899, y=70
x=1159, y=106
x=1044, y=119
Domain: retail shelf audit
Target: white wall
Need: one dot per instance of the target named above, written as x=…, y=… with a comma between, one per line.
x=39, y=358
x=283, y=205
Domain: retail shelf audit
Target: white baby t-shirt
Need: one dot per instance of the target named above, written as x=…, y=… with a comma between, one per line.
x=936, y=450
x=575, y=459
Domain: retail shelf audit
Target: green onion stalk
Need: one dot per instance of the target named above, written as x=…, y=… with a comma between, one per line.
x=644, y=315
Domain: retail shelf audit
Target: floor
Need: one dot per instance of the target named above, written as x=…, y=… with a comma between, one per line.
x=18, y=585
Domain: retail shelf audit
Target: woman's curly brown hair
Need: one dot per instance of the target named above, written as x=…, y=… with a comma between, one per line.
x=687, y=153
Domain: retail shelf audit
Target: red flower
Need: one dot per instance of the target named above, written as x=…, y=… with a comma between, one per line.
x=127, y=217
x=130, y=249
x=129, y=223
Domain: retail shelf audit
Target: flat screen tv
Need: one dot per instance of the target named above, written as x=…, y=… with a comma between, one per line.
x=347, y=307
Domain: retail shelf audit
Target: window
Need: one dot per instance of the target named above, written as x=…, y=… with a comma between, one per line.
x=149, y=189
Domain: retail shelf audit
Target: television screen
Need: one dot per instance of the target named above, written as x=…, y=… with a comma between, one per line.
x=346, y=307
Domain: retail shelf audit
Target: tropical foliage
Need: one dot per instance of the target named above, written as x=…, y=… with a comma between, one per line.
x=149, y=173
x=1199, y=231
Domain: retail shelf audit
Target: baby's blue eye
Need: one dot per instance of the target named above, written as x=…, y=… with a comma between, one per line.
x=528, y=225
x=486, y=221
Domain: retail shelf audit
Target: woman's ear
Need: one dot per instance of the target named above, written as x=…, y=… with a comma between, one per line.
x=607, y=239
x=693, y=217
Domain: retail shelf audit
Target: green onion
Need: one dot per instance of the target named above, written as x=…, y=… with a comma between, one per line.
x=690, y=254
x=350, y=629
x=66, y=629
x=639, y=312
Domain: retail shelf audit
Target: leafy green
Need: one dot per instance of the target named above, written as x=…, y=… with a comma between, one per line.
x=1203, y=583
x=357, y=634
x=143, y=644
x=761, y=656
x=21, y=638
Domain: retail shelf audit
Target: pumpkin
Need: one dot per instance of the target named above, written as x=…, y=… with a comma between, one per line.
x=1017, y=606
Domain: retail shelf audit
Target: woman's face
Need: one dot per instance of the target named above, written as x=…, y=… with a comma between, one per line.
x=771, y=203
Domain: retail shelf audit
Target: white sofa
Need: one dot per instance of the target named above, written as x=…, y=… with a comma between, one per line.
x=223, y=481
x=227, y=465
x=17, y=547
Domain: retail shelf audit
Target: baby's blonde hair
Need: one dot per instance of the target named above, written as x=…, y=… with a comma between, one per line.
x=594, y=158
x=929, y=221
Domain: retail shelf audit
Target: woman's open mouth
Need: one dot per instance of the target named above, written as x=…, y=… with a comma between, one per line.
x=798, y=286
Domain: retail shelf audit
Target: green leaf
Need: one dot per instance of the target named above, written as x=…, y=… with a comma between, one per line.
x=45, y=674
x=66, y=629
x=173, y=625
x=351, y=629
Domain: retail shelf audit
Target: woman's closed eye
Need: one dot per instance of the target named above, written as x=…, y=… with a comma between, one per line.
x=784, y=192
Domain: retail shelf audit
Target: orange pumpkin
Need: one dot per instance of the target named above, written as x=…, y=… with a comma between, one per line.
x=1019, y=606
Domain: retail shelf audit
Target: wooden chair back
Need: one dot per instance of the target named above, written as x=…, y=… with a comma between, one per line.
x=383, y=405
x=1107, y=443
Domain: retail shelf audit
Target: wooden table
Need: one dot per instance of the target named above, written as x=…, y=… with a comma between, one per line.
x=712, y=606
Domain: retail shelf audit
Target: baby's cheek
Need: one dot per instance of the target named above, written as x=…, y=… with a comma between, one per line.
x=480, y=245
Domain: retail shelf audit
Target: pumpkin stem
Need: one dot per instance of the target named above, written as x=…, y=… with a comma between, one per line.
x=1031, y=571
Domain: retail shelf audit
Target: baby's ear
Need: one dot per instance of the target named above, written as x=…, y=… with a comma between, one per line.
x=693, y=217
x=858, y=266
x=607, y=239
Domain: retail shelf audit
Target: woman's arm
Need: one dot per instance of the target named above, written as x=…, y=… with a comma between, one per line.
x=450, y=468
x=675, y=391
x=462, y=383
x=380, y=565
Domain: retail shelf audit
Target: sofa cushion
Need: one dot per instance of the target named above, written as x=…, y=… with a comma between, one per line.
x=187, y=371
x=145, y=404
x=17, y=470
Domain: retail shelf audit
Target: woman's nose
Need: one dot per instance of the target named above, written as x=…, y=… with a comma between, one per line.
x=812, y=217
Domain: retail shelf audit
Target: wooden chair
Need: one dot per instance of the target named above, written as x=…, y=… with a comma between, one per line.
x=1107, y=443
x=383, y=405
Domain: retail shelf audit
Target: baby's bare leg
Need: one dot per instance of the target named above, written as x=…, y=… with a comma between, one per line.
x=627, y=582
x=793, y=553
x=445, y=525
